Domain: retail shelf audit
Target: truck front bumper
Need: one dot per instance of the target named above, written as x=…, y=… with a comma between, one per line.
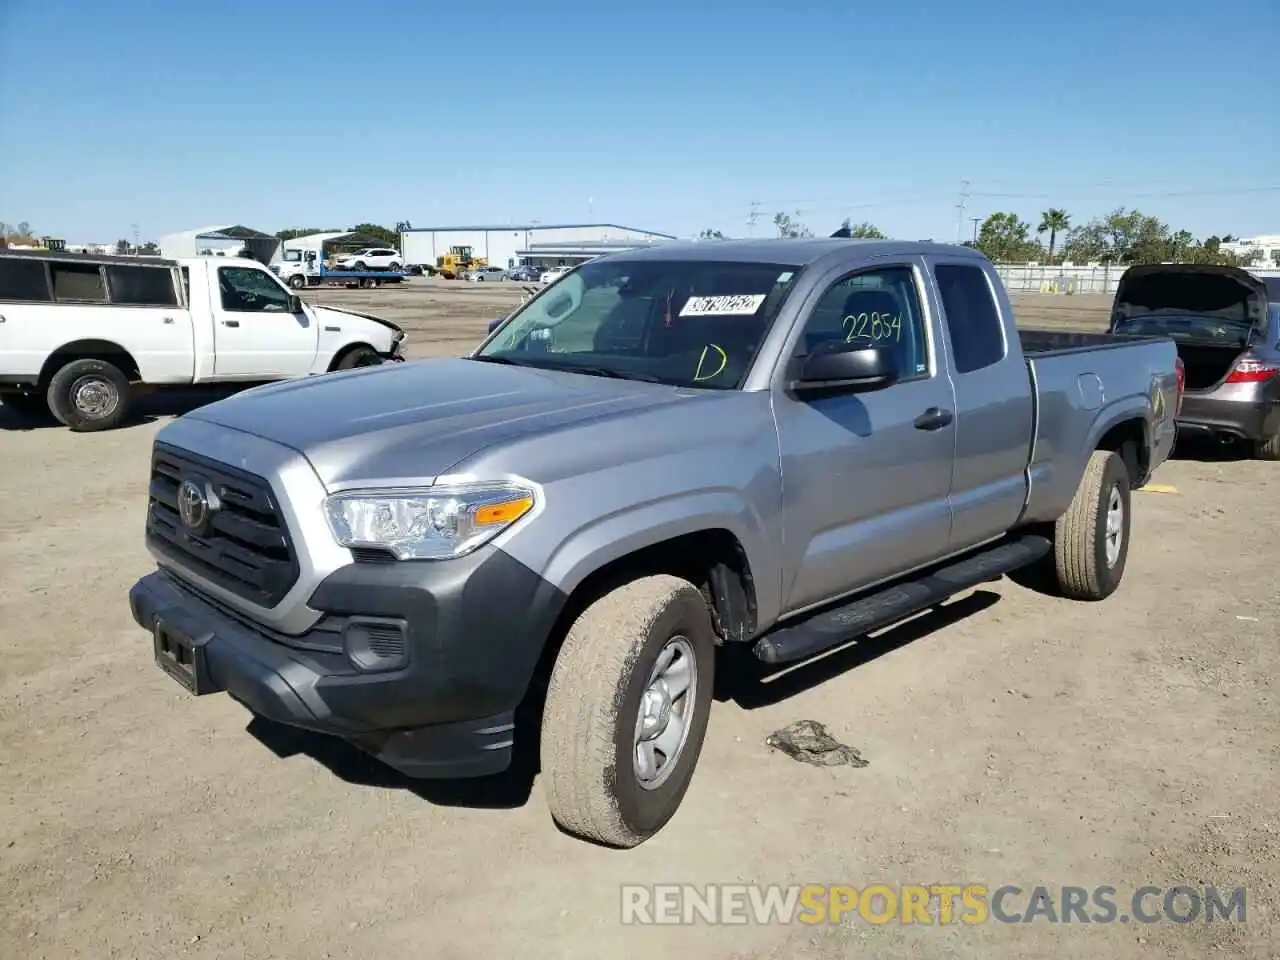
x=433, y=694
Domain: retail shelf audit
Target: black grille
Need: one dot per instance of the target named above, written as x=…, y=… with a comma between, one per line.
x=246, y=547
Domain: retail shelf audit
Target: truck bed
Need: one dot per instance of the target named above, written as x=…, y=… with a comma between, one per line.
x=1040, y=343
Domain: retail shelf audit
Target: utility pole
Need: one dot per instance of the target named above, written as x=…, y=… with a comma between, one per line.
x=960, y=207
x=752, y=217
x=137, y=241
x=976, y=221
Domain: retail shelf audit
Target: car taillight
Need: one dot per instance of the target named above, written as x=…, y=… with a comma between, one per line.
x=1181, y=370
x=1252, y=371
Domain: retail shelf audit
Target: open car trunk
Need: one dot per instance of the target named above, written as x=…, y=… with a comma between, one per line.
x=1213, y=314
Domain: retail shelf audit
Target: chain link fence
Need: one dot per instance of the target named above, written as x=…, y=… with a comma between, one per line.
x=1068, y=280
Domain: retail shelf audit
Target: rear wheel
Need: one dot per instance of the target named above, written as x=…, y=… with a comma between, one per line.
x=1091, y=540
x=89, y=395
x=627, y=709
x=1267, y=449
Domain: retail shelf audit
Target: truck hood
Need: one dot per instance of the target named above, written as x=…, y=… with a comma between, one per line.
x=411, y=422
x=1227, y=294
x=323, y=308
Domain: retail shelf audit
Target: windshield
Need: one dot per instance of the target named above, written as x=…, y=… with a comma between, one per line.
x=689, y=323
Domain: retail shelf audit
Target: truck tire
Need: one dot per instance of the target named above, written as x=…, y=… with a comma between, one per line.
x=634, y=675
x=90, y=394
x=1091, y=540
x=359, y=356
x=297, y=281
x=1267, y=449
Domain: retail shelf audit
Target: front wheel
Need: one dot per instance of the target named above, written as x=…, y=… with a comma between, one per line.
x=297, y=281
x=1091, y=540
x=627, y=709
x=358, y=357
x=88, y=395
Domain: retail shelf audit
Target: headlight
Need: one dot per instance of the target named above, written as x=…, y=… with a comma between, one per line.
x=435, y=523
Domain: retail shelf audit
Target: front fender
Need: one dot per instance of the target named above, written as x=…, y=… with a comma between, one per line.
x=603, y=540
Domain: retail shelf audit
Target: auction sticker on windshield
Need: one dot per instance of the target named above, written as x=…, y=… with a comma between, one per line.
x=741, y=305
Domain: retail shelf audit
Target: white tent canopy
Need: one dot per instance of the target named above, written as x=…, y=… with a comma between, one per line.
x=261, y=246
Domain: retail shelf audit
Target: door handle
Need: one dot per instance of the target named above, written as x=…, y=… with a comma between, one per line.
x=934, y=419
x=231, y=323
x=168, y=319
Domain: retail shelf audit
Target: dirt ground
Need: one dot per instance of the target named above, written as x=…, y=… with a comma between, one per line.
x=1011, y=739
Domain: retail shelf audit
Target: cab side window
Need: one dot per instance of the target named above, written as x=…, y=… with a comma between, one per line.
x=973, y=322
x=246, y=290
x=878, y=308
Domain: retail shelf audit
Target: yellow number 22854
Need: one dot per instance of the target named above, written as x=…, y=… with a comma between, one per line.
x=873, y=326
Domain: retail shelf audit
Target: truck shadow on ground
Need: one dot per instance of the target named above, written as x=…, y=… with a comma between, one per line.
x=147, y=408
x=1211, y=450
x=739, y=678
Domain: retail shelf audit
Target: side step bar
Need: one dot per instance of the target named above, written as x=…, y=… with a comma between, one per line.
x=834, y=627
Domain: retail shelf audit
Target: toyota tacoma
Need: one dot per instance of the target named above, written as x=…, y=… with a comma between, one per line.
x=781, y=445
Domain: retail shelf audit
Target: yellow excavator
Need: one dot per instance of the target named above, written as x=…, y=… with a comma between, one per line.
x=452, y=264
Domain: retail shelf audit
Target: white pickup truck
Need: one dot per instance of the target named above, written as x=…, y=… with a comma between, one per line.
x=80, y=334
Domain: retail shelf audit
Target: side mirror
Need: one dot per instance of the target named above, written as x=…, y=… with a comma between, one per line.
x=845, y=368
x=295, y=303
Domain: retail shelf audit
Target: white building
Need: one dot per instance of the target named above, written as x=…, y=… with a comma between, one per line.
x=508, y=245
x=1268, y=245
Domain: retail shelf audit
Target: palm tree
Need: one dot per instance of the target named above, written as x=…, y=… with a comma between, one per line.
x=1053, y=222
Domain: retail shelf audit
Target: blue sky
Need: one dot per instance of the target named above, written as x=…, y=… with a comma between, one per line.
x=660, y=115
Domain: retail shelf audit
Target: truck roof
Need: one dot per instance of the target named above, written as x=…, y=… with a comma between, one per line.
x=798, y=252
x=75, y=256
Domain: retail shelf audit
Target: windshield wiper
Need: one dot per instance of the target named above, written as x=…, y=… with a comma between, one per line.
x=510, y=361
x=607, y=372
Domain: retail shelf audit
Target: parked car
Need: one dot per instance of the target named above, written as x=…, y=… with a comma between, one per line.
x=553, y=274
x=490, y=274
x=79, y=334
x=525, y=274
x=1226, y=324
x=372, y=258
x=774, y=445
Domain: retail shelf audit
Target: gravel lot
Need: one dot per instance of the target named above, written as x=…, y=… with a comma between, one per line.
x=1012, y=739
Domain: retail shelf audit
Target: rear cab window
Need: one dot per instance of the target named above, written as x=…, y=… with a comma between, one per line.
x=141, y=286
x=78, y=282
x=973, y=324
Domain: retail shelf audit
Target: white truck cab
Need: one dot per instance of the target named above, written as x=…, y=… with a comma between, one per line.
x=79, y=334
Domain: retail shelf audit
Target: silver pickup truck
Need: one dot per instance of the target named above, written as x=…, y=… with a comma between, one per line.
x=782, y=445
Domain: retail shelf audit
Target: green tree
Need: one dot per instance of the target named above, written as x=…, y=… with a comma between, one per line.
x=710, y=234
x=1006, y=238
x=790, y=229
x=1053, y=222
x=384, y=235
x=122, y=247
x=295, y=232
x=863, y=231
x=149, y=249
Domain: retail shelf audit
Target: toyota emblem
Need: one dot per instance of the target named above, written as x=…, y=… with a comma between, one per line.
x=196, y=505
